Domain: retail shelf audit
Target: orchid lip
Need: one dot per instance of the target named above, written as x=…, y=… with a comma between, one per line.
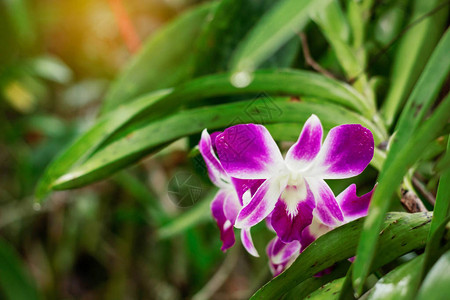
x=294, y=193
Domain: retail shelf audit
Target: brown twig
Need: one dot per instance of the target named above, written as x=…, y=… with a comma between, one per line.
x=125, y=25
x=411, y=202
x=421, y=188
x=310, y=60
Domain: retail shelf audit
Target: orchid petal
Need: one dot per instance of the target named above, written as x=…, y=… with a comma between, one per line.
x=213, y=139
x=248, y=151
x=215, y=170
x=224, y=224
x=312, y=232
x=303, y=152
x=289, y=226
x=247, y=242
x=268, y=221
x=281, y=254
x=346, y=152
x=327, y=208
x=245, y=188
x=231, y=207
x=352, y=206
x=261, y=204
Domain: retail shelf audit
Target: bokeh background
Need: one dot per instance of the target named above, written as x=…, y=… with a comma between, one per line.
x=57, y=58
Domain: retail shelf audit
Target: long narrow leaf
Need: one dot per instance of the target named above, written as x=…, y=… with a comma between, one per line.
x=92, y=139
x=273, y=30
x=15, y=283
x=436, y=284
x=413, y=51
x=405, y=150
x=399, y=283
x=140, y=142
x=442, y=205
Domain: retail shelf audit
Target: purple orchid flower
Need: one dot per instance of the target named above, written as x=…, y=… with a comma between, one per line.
x=229, y=200
x=294, y=189
x=282, y=255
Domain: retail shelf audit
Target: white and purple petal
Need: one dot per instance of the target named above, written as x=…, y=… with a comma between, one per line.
x=281, y=255
x=327, y=208
x=215, y=170
x=346, y=152
x=261, y=204
x=312, y=232
x=245, y=188
x=247, y=242
x=303, y=152
x=248, y=151
x=352, y=206
x=225, y=226
x=231, y=206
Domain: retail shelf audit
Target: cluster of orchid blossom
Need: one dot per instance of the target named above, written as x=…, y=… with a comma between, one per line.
x=256, y=183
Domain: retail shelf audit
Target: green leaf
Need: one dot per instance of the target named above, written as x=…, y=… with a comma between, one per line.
x=328, y=291
x=389, y=180
x=230, y=22
x=143, y=140
x=92, y=139
x=400, y=283
x=164, y=61
x=15, y=282
x=437, y=283
x=412, y=54
x=272, y=82
x=311, y=284
x=402, y=233
x=275, y=28
x=441, y=216
x=442, y=205
x=437, y=244
x=411, y=139
x=332, y=23
x=20, y=20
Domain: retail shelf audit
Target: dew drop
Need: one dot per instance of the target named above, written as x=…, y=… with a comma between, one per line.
x=241, y=79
